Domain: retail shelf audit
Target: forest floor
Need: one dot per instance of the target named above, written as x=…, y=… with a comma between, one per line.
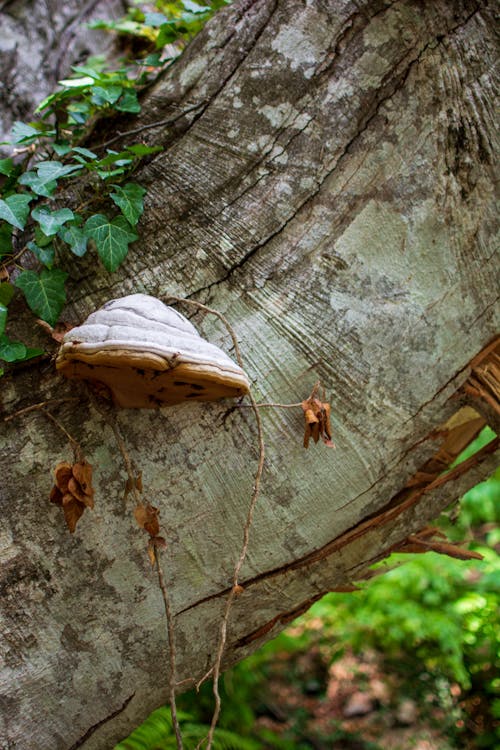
x=355, y=704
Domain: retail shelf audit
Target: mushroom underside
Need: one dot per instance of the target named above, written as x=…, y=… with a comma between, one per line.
x=151, y=382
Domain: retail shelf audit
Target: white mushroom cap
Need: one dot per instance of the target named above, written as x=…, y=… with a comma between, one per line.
x=148, y=355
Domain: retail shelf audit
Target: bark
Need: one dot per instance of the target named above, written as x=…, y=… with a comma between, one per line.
x=327, y=184
x=39, y=42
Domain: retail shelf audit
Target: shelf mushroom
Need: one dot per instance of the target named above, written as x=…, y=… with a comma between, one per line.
x=148, y=355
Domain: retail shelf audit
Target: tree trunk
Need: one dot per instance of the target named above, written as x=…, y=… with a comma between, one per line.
x=327, y=184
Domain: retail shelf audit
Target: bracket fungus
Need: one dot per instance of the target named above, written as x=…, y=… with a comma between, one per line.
x=148, y=355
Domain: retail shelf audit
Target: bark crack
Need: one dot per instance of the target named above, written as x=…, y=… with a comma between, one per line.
x=81, y=741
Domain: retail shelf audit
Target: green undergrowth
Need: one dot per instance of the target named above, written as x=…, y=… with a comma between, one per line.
x=431, y=620
x=43, y=232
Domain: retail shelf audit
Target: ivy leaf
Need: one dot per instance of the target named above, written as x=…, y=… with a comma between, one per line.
x=6, y=293
x=15, y=209
x=24, y=133
x=5, y=240
x=14, y=351
x=53, y=170
x=61, y=149
x=52, y=221
x=108, y=95
x=45, y=293
x=112, y=238
x=155, y=19
x=85, y=152
x=76, y=83
x=33, y=181
x=129, y=199
x=76, y=239
x=128, y=102
x=44, y=254
x=6, y=167
x=11, y=351
x=3, y=317
x=139, y=149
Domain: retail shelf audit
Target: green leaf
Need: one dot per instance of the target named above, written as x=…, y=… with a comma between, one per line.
x=108, y=95
x=6, y=167
x=52, y=221
x=85, y=152
x=5, y=240
x=32, y=180
x=112, y=238
x=53, y=170
x=44, y=254
x=3, y=317
x=61, y=149
x=76, y=83
x=128, y=102
x=139, y=149
x=11, y=351
x=76, y=239
x=129, y=199
x=48, y=100
x=15, y=209
x=24, y=133
x=14, y=351
x=115, y=157
x=6, y=292
x=44, y=182
x=87, y=70
x=155, y=19
x=44, y=293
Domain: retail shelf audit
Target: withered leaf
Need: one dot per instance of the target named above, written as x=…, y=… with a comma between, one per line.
x=56, y=496
x=155, y=542
x=82, y=471
x=62, y=475
x=317, y=419
x=77, y=492
x=73, y=511
x=147, y=518
x=73, y=490
x=151, y=553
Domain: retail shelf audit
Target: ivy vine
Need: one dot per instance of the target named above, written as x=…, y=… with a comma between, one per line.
x=37, y=231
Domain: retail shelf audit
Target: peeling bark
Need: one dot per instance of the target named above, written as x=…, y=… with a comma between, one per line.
x=327, y=183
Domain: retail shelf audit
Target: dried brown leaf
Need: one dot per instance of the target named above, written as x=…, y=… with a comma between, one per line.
x=317, y=420
x=62, y=475
x=151, y=553
x=82, y=471
x=147, y=518
x=73, y=511
x=56, y=496
x=78, y=494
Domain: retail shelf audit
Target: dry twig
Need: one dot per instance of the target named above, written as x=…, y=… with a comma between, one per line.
x=110, y=418
x=236, y=588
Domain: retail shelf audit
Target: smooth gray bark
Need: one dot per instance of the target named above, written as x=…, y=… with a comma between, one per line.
x=327, y=184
